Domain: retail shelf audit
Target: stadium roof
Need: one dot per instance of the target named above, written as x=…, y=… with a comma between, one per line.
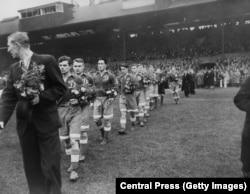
x=41, y=6
x=181, y=3
x=98, y=12
x=114, y=9
x=9, y=25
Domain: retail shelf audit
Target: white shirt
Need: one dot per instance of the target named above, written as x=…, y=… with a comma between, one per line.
x=26, y=60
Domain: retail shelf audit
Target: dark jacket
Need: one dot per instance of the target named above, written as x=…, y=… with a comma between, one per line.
x=186, y=78
x=44, y=116
x=102, y=82
x=242, y=101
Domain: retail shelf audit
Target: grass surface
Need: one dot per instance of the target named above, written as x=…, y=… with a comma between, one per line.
x=200, y=137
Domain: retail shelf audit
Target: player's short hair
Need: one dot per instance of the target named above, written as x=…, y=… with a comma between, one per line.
x=134, y=65
x=140, y=64
x=78, y=60
x=21, y=37
x=103, y=59
x=65, y=58
x=124, y=65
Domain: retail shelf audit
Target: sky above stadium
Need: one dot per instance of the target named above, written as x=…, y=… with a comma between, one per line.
x=9, y=8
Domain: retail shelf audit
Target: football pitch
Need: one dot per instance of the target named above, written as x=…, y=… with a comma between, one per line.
x=199, y=137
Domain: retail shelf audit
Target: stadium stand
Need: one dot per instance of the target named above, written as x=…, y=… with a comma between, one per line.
x=179, y=33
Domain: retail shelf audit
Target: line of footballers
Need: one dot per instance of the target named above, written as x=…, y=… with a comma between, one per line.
x=137, y=87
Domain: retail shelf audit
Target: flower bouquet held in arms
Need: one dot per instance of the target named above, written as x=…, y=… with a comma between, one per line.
x=111, y=93
x=31, y=83
x=155, y=81
x=129, y=86
x=146, y=82
x=87, y=95
x=83, y=95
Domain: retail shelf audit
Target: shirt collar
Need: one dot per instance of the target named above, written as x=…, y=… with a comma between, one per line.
x=67, y=76
x=27, y=59
x=127, y=75
x=102, y=73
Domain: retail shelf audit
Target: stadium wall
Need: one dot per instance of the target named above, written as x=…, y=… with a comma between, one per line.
x=46, y=21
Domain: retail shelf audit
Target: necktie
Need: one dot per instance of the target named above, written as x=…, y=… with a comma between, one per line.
x=24, y=67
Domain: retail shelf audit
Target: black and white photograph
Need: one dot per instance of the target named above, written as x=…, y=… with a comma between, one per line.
x=108, y=96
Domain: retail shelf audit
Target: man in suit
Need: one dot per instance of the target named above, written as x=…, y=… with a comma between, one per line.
x=2, y=85
x=186, y=83
x=37, y=118
x=242, y=101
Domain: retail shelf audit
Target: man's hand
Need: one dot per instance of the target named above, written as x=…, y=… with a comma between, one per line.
x=110, y=100
x=1, y=126
x=35, y=100
x=73, y=101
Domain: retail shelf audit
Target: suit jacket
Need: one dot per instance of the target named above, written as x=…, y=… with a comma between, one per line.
x=242, y=101
x=186, y=78
x=42, y=116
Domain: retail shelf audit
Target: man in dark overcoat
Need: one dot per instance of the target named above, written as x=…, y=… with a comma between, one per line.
x=211, y=78
x=37, y=118
x=186, y=83
x=206, y=79
x=242, y=101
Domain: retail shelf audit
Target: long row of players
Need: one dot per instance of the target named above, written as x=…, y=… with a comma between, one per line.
x=138, y=91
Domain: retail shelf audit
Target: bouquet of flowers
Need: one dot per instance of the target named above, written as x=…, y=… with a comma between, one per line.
x=155, y=81
x=31, y=82
x=111, y=93
x=88, y=95
x=105, y=77
x=129, y=87
x=146, y=82
x=162, y=79
x=82, y=95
